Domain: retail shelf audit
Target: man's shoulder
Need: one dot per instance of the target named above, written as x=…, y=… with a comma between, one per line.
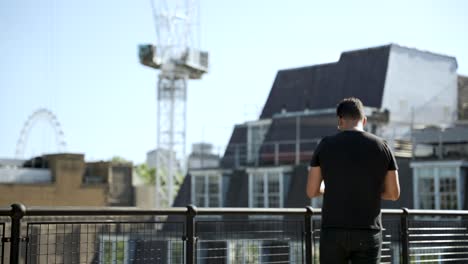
x=374, y=137
x=340, y=135
x=327, y=139
x=377, y=141
x=370, y=138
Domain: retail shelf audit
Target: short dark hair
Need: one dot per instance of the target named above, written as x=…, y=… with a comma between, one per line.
x=350, y=108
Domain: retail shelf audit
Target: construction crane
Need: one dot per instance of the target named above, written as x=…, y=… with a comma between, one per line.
x=178, y=59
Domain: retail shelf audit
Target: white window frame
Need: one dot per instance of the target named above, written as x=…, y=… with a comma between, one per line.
x=206, y=174
x=436, y=166
x=114, y=240
x=280, y=170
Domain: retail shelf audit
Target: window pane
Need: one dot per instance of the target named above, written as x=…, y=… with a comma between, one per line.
x=273, y=202
x=273, y=190
x=213, y=185
x=426, y=193
x=258, y=190
x=200, y=200
x=199, y=191
x=213, y=191
x=426, y=172
x=448, y=193
x=447, y=172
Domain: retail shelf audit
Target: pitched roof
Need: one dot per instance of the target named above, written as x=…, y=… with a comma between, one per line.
x=236, y=147
x=359, y=73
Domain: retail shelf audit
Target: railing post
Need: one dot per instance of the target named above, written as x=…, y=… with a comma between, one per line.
x=404, y=237
x=191, y=238
x=309, y=235
x=17, y=213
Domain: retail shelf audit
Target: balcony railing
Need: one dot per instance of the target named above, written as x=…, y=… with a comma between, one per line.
x=235, y=235
x=292, y=152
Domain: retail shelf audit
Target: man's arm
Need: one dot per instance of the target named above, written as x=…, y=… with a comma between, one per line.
x=314, y=182
x=391, y=186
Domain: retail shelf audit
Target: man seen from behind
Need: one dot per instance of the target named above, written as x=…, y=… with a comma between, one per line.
x=358, y=170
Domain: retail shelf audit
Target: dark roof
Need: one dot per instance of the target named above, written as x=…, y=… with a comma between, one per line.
x=359, y=73
x=297, y=197
x=238, y=190
x=183, y=197
x=310, y=127
x=236, y=146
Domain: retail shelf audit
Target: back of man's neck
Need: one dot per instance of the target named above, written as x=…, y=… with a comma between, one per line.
x=356, y=128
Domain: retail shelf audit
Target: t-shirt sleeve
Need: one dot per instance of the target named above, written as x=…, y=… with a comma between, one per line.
x=315, y=162
x=392, y=164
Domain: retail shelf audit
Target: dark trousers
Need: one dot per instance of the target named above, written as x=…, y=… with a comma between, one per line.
x=350, y=246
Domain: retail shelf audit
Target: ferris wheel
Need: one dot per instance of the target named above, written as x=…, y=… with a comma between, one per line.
x=40, y=115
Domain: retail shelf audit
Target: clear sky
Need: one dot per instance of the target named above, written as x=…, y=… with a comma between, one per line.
x=78, y=58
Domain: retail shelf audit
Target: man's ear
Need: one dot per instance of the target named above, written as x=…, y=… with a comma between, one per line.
x=364, y=121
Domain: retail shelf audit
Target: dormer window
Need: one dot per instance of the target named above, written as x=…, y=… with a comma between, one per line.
x=438, y=185
x=206, y=188
x=266, y=187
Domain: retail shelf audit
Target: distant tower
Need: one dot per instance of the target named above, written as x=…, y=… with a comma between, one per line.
x=176, y=55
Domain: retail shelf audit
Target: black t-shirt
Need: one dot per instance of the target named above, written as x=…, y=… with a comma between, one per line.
x=353, y=165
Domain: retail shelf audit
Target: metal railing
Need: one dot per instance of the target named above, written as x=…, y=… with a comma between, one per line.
x=269, y=153
x=213, y=235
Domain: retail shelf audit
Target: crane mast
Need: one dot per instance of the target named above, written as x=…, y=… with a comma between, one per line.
x=176, y=56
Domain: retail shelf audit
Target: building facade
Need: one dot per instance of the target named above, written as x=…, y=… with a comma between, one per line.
x=266, y=161
x=440, y=168
x=65, y=180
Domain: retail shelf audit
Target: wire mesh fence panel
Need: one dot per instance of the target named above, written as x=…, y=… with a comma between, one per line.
x=2, y=243
x=391, y=244
x=316, y=226
x=105, y=242
x=390, y=253
x=438, y=240
x=250, y=241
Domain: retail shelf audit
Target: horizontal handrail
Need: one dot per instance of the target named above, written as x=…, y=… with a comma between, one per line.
x=408, y=236
x=254, y=211
x=278, y=142
x=126, y=211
